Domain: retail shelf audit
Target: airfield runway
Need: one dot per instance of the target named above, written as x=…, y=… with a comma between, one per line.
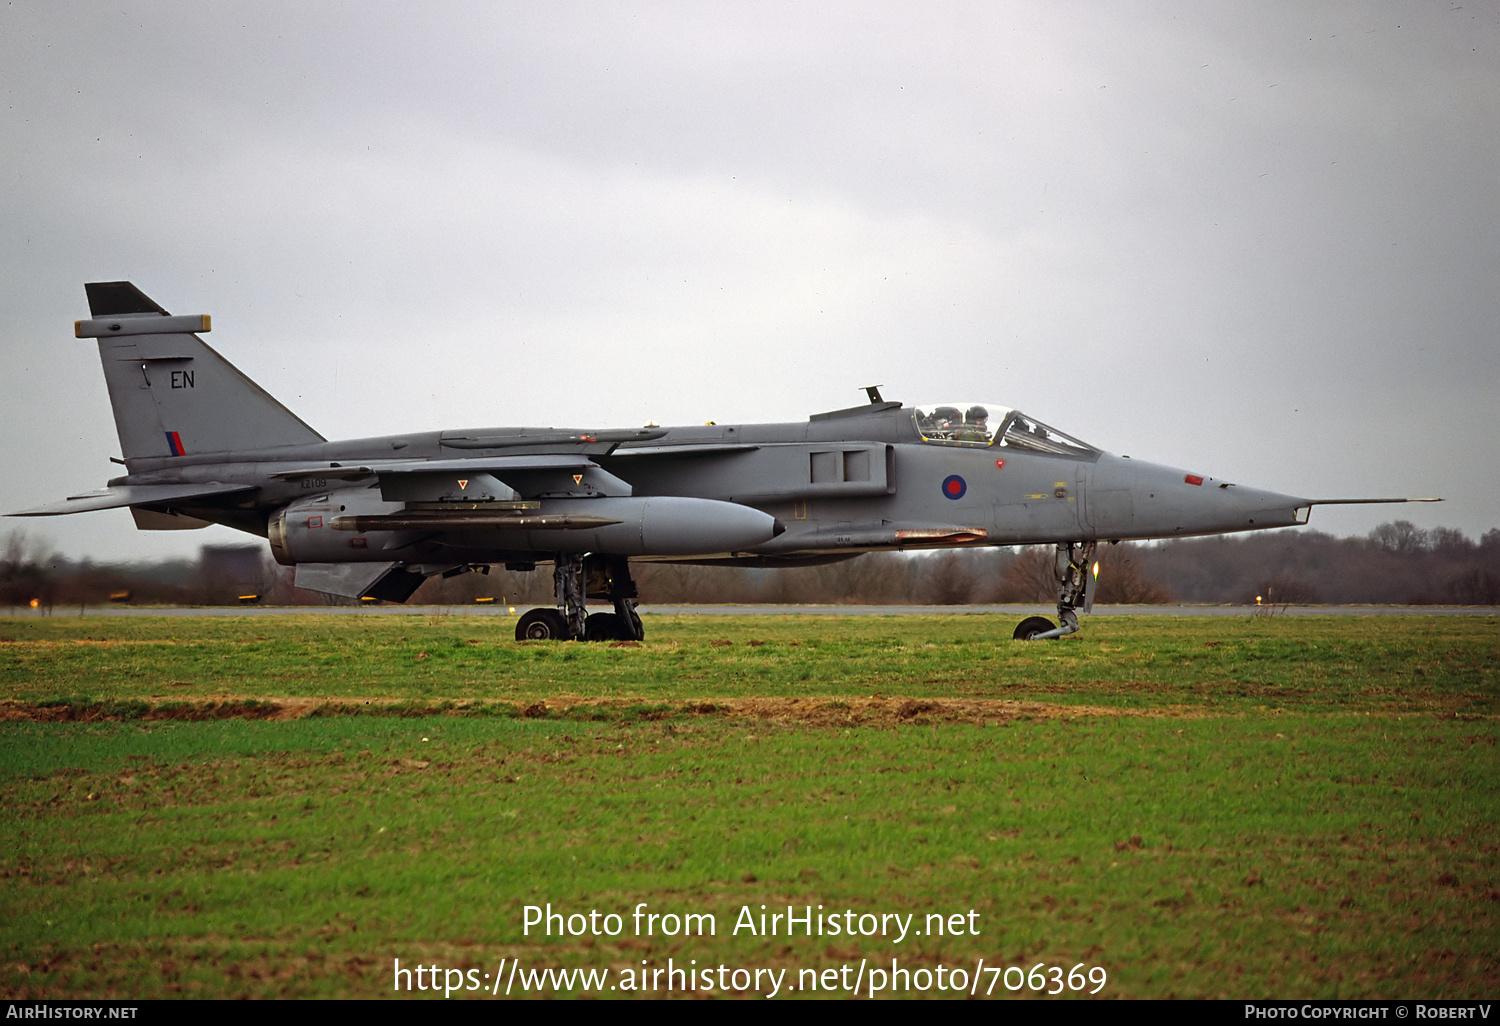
x=774, y=610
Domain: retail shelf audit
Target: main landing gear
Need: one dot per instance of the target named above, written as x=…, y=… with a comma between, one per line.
x=575, y=581
x=1073, y=567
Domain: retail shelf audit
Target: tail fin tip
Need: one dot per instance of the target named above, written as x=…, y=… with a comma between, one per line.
x=112, y=298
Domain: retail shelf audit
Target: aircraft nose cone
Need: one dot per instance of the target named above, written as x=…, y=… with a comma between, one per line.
x=1215, y=506
x=1260, y=508
x=1166, y=501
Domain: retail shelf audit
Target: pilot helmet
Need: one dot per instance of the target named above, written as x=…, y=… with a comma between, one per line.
x=977, y=414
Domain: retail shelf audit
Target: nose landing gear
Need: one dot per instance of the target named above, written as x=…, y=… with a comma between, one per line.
x=1030, y=627
x=1072, y=566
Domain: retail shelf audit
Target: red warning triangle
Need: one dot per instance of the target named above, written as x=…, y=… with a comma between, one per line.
x=463, y=483
x=578, y=479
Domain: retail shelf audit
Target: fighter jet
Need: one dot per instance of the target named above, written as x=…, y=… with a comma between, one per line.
x=372, y=518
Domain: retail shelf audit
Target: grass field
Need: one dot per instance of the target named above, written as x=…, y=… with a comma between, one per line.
x=1199, y=807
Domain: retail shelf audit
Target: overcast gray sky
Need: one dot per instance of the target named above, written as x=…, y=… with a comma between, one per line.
x=1256, y=240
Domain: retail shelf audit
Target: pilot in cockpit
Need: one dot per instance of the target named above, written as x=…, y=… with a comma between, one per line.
x=975, y=427
x=945, y=420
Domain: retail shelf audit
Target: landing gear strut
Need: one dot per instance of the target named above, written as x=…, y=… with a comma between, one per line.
x=574, y=582
x=1072, y=565
x=609, y=578
x=567, y=588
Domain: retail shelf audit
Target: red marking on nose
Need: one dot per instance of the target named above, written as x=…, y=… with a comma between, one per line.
x=1193, y=479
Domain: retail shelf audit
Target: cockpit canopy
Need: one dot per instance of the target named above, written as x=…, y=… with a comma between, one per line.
x=980, y=424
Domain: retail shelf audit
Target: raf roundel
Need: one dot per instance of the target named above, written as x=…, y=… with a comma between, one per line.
x=954, y=487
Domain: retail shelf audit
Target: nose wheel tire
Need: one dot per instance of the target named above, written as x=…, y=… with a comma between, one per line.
x=542, y=625
x=1032, y=626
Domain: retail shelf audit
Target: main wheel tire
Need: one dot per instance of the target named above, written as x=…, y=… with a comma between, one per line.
x=603, y=627
x=542, y=625
x=1032, y=626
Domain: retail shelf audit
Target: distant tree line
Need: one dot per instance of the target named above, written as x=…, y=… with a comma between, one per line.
x=1395, y=563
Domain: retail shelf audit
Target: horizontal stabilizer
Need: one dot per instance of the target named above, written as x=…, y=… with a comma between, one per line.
x=150, y=520
x=132, y=495
x=386, y=581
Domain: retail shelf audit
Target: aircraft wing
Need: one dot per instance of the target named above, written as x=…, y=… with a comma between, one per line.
x=499, y=465
x=529, y=476
x=132, y=495
x=492, y=464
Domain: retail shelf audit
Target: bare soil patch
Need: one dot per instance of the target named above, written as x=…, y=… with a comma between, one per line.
x=875, y=710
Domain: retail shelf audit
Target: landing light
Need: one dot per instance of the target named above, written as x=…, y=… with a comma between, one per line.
x=1096, y=569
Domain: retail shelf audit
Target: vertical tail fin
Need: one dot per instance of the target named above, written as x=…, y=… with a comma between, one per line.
x=172, y=394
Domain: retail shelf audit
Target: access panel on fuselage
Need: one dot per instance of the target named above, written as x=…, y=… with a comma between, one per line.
x=1040, y=499
x=765, y=474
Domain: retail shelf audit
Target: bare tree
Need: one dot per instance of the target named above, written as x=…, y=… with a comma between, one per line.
x=1397, y=563
x=1124, y=578
x=26, y=571
x=1450, y=542
x=948, y=579
x=1284, y=588
x=1401, y=537
x=1030, y=578
x=1477, y=586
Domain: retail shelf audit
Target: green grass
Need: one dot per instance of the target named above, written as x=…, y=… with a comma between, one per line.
x=1322, y=663
x=1301, y=809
